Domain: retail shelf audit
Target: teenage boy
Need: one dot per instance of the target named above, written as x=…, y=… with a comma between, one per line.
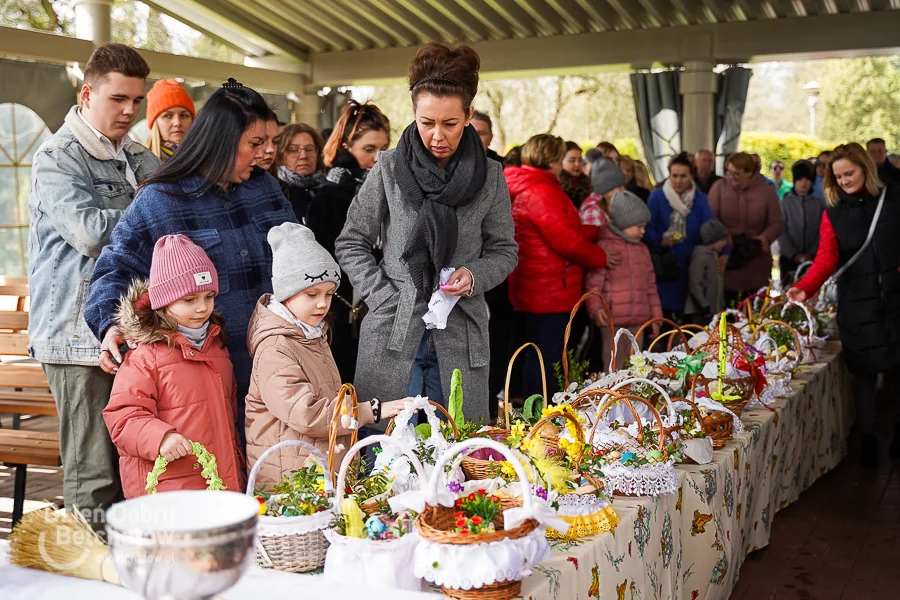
x=82, y=180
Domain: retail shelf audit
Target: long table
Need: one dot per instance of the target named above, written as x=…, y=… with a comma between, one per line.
x=691, y=545
x=688, y=545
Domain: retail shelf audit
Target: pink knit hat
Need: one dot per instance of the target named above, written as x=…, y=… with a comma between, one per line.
x=179, y=268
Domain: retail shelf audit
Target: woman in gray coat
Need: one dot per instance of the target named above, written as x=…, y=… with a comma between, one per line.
x=436, y=204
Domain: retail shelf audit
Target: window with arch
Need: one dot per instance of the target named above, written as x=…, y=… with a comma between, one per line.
x=21, y=133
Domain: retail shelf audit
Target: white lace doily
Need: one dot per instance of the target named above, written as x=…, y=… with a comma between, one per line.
x=644, y=480
x=475, y=565
x=280, y=526
x=577, y=505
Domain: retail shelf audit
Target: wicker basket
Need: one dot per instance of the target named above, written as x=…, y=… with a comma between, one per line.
x=345, y=553
x=798, y=344
x=675, y=329
x=293, y=544
x=476, y=468
x=744, y=387
x=436, y=523
x=441, y=409
x=718, y=425
x=627, y=443
x=609, y=323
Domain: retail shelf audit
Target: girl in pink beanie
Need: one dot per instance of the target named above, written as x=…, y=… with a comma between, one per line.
x=177, y=385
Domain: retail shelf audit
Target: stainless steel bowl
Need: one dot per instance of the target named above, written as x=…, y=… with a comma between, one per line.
x=182, y=545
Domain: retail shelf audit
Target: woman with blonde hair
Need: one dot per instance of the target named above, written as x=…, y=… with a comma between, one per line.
x=868, y=280
x=642, y=175
x=628, y=167
x=553, y=253
x=170, y=113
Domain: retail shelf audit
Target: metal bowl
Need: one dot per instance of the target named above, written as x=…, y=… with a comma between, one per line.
x=182, y=545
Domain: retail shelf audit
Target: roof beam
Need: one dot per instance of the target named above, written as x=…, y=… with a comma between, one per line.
x=421, y=30
x=49, y=47
x=624, y=16
x=378, y=20
x=473, y=30
x=593, y=12
x=546, y=18
x=319, y=9
x=655, y=13
x=691, y=12
x=435, y=20
x=781, y=39
x=291, y=22
x=497, y=31
x=223, y=34
x=514, y=16
x=304, y=10
x=566, y=10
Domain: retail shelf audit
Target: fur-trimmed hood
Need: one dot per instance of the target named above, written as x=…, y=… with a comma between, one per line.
x=136, y=323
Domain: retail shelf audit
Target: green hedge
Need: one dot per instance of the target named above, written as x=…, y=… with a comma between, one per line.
x=786, y=147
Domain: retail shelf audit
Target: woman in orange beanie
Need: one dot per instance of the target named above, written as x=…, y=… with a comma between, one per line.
x=170, y=112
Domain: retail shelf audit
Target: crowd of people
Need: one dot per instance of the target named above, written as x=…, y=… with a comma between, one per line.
x=219, y=284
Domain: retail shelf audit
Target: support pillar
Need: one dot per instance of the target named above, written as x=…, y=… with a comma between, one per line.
x=698, y=95
x=307, y=108
x=92, y=21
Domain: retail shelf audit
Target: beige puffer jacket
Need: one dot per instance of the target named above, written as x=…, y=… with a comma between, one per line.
x=293, y=392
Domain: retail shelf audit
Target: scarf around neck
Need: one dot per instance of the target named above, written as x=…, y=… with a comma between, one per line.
x=436, y=193
x=621, y=234
x=195, y=335
x=681, y=207
x=282, y=311
x=296, y=180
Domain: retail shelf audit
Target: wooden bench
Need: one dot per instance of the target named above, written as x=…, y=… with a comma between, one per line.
x=24, y=390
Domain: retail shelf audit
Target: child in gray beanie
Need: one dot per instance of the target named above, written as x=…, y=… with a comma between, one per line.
x=630, y=288
x=606, y=179
x=295, y=382
x=704, y=298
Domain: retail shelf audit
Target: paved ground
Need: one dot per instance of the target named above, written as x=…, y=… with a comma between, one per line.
x=841, y=540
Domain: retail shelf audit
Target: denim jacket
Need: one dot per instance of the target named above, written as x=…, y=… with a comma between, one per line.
x=78, y=194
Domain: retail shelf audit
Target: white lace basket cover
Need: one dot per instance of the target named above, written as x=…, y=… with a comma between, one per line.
x=395, y=461
x=471, y=566
x=375, y=563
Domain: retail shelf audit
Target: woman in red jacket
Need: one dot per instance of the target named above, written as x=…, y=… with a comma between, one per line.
x=553, y=253
x=868, y=315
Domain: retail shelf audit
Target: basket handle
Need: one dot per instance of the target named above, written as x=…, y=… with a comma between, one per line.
x=676, y=329
x=214, y=475
x=390, y=425
x=609, y=322
x=652, y=384
x=346, y=390
x=557, y=413
x=628, y=399
x=810, y=320
x=635, y=347
x=796, y=335
x=434, y=482
x=509, y=371
x=369, y=441
x=254, y=472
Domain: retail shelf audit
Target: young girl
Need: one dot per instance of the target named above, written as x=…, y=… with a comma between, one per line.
x=630, y=287
x=177, y=385
x=295, y=382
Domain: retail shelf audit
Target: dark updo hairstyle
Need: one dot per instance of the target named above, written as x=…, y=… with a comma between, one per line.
x=572, y=146
x=356, y=119
x=680, y=160
x=443, y=71
x=513, y=157
x=210, y=148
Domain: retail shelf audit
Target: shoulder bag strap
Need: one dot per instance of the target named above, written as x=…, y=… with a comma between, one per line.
x=868, y=241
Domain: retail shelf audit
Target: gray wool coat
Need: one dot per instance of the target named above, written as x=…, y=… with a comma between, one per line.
x=393, y=328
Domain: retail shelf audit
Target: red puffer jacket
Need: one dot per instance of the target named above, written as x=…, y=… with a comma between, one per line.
x=553, y=247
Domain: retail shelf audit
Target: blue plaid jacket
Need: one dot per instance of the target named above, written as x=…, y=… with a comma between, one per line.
x=231, y=226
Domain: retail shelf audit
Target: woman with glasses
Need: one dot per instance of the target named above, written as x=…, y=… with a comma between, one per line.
x=298, y=166
x=749, y=207
x=782, y=185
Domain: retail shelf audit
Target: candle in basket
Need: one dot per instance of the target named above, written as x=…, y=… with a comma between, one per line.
x=723, y=350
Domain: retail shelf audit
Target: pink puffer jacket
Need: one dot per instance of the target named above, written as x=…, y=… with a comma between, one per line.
x=630, y=288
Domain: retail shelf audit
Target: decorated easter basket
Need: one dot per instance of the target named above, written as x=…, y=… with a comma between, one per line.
x=774, y=358
x=811, y=341
x=675, y=330
x=735, y=392
x=479, y=468
x=586, y=512
x=639, y=463
x=483, y=566
x=686, y=432
x=372, y=562
x=394, y=459
x=293, y=544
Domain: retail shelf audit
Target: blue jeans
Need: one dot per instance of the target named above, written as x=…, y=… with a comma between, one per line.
x=425, y=377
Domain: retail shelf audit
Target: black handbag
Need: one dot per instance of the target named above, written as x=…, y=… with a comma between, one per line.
x=665, y=265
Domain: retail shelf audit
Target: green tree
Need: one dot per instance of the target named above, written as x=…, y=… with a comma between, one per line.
x=45, y=15
x=862, y=100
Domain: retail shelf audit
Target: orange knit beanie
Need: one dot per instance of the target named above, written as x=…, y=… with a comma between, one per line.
x=166, y=94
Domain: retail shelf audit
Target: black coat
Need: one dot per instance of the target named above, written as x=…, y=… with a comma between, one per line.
x=869, y=292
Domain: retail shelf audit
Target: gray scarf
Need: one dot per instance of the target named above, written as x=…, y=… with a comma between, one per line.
x=622, y=235
x=196, y=336
x=301, y=181
x=436, y=193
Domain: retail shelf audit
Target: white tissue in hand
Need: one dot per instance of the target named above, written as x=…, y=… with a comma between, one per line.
x=441, y=304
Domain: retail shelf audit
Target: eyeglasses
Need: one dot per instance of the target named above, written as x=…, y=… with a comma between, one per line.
x=732, y=173
x=295, y=150
x=777, y=168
